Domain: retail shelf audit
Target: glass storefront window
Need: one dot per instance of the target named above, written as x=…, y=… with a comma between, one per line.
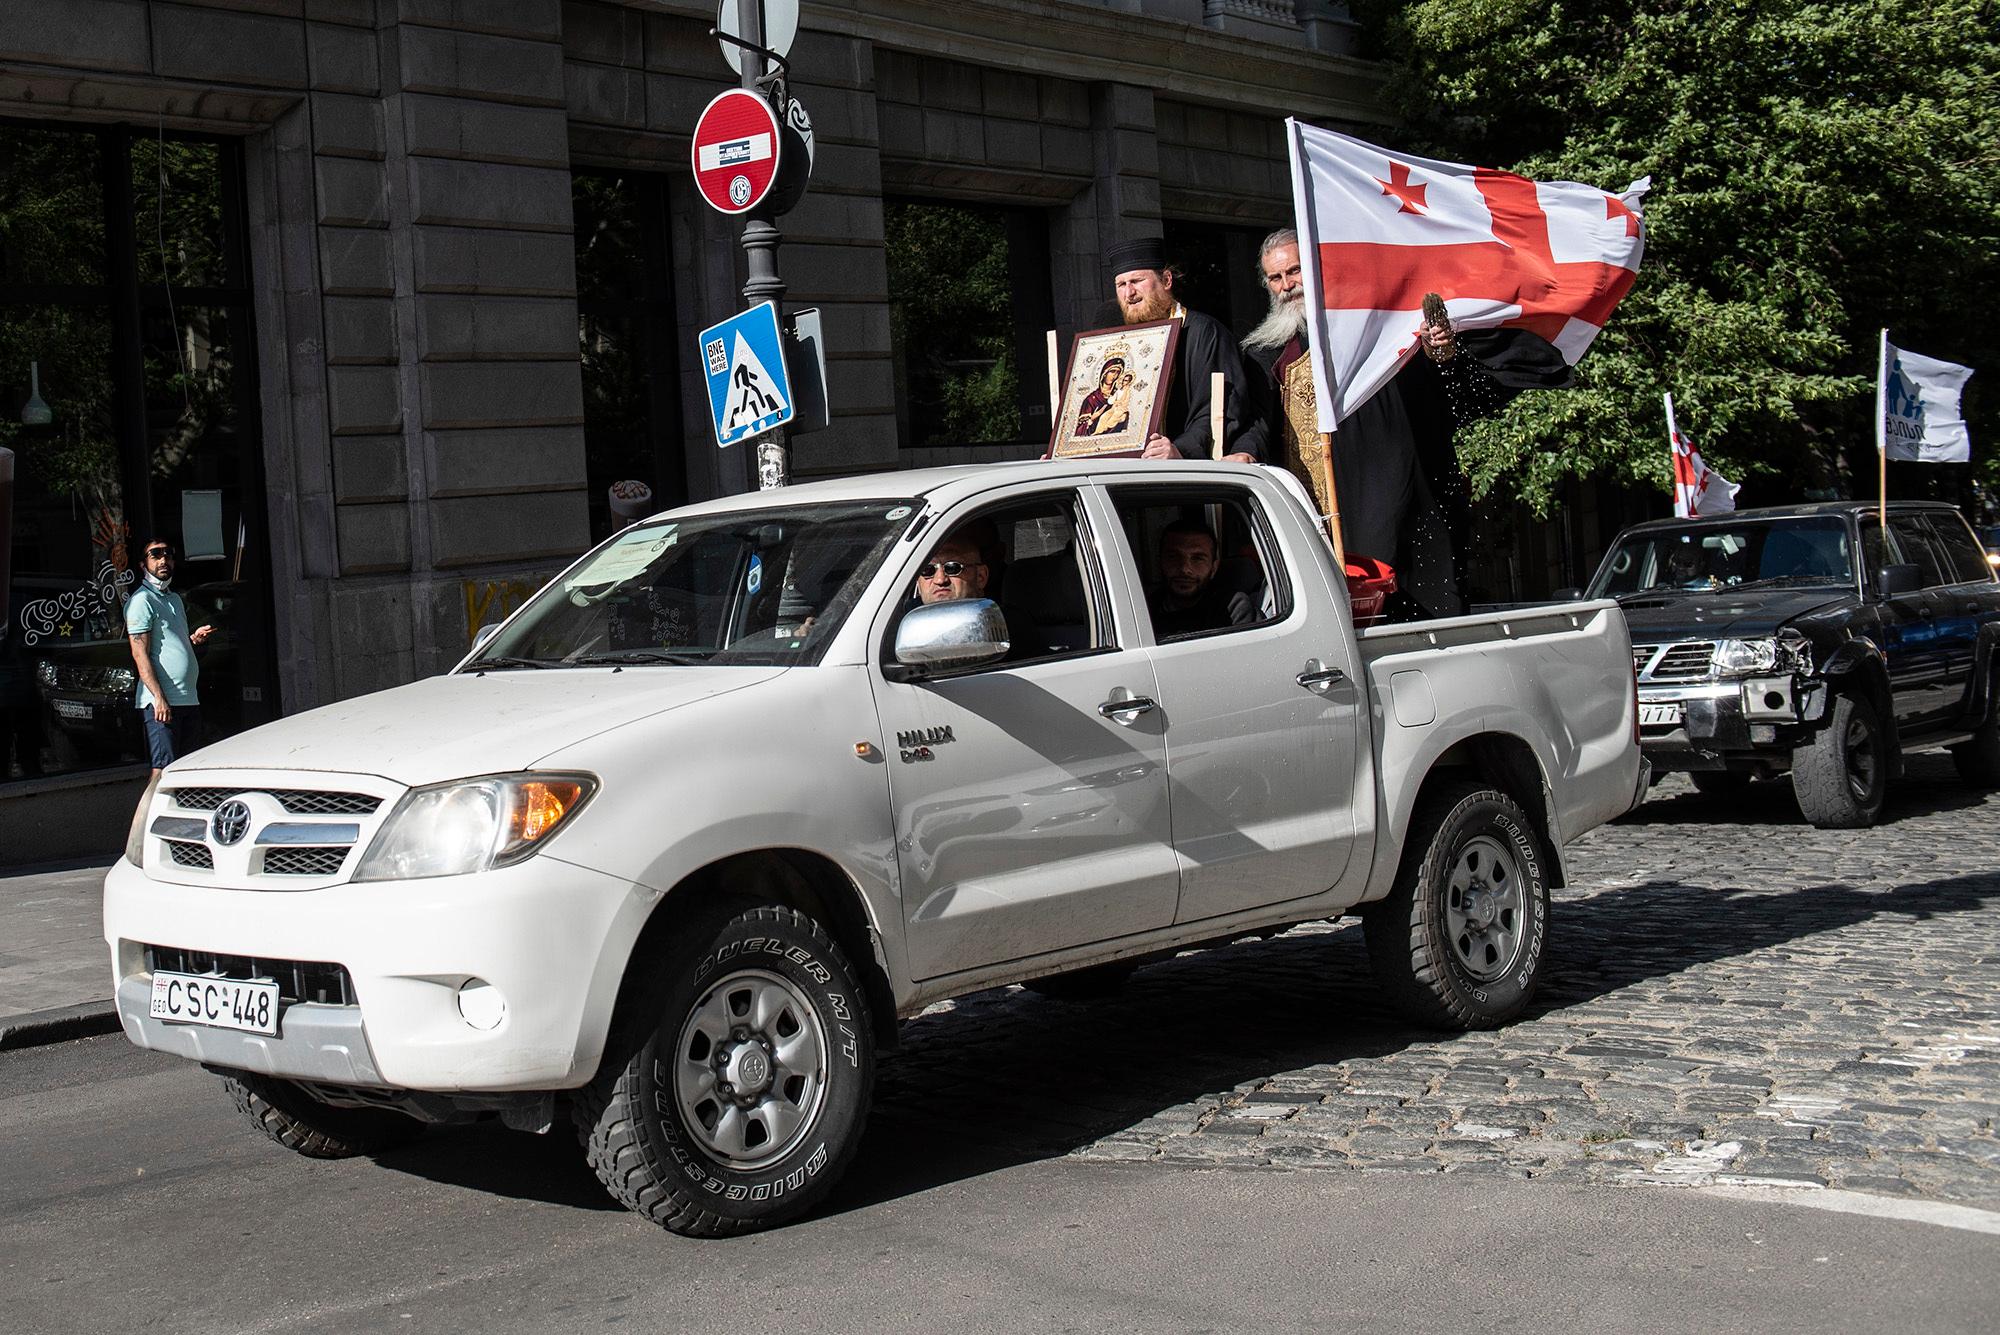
x=968, y=306
x=127, y=399
x=625, y=331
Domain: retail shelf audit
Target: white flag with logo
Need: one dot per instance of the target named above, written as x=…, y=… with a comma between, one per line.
x=1916, y=407
x=1377, y=230
x=1698, y=490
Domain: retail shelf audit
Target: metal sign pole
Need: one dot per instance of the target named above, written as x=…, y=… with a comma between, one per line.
x=760, y=251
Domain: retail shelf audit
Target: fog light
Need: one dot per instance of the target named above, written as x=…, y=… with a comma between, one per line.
x=481, y=1004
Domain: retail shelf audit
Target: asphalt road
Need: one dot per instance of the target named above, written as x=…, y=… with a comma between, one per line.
x=131, y=1198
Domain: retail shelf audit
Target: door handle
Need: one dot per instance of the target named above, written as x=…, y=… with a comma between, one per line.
x=1314, y=679
x=1123, y=711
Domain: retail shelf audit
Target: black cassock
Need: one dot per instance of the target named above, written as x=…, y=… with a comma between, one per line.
x=1395, y=468
x=1205, y=347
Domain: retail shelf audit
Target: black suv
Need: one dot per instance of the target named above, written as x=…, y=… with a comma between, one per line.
x=1792, y=638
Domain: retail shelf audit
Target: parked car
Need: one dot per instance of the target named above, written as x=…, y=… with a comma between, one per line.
x=674, y=847
x=1792, y=640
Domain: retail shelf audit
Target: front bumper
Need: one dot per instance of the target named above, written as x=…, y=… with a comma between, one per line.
x=1731, y=722
x=551, y=936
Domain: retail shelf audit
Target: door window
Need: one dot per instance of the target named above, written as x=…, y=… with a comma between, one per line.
x=1205, y=560
x=1913, y=538
x=1965, y=561
x=1031, y=556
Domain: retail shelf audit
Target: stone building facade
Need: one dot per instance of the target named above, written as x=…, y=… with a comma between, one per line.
x=409, y=218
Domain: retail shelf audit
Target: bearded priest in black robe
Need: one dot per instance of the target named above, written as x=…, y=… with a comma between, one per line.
x=1144, y=285
x=1395, y=467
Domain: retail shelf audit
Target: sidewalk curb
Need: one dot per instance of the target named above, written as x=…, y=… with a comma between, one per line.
x=58, y=1025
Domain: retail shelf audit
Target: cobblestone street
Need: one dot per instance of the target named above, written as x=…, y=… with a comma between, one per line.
x=1733, y=997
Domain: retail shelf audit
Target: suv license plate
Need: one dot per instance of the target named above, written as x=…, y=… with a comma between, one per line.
x=219, y=1003
x=1660, y=716
x=75, y=709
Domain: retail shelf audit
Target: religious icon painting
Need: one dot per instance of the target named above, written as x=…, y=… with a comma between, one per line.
x=1115, y=391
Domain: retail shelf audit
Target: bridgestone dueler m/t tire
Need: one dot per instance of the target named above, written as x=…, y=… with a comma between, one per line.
x=1458, y=943
x=769, y=1008
x=304, y=1125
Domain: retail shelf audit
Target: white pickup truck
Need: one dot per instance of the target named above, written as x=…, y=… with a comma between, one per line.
x=673, y=850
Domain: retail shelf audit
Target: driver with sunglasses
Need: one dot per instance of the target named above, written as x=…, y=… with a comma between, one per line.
x=163, y=652
x=962, y=565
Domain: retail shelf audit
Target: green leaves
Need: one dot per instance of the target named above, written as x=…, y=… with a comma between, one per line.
x=1820, y=171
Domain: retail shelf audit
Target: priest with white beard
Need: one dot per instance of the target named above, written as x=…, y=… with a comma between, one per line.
x=1402, y=498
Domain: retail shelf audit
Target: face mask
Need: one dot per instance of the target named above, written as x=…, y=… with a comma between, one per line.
x=154, y=582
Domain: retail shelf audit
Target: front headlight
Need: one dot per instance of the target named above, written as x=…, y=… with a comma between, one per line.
x=1757, y=658
x=451, y=829
x=135, y=839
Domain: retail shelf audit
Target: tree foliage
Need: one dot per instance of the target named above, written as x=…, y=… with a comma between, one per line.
x=1820, y=171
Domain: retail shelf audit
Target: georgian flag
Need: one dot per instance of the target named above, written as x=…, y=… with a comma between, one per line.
x=1697, y=490
x=1377, y=230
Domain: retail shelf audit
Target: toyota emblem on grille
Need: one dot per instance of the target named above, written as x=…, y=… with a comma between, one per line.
x=232, y=822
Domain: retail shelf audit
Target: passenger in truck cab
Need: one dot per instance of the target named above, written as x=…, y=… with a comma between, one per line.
x=1187, y=600
x=966, y=563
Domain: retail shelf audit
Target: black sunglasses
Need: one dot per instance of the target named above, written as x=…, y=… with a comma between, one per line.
x=952, y=569
x=160, y=551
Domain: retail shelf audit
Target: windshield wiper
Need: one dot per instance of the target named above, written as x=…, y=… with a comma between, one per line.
x=481, y=664
x=631, y=656
x=1776, y=581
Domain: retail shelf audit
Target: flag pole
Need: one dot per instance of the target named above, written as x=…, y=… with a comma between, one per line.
x=1055, y=385
x=1332, y=499
x=1882, y=440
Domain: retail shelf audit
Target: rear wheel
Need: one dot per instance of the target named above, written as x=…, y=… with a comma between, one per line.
x=1841, y=777
x=746, y=1096
x=1458, y=943
x=1978, y=760
x=304, y=1125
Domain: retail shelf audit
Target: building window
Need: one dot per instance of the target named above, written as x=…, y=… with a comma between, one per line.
x=969, y=305
x=625, y=328
x=128, y=400
x=1218, y=271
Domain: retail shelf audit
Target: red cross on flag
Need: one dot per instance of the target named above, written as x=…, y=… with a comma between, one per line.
x=1698, y=490
x=1378, y=230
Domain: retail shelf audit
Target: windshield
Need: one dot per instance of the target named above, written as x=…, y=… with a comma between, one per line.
x=1776, y=553
x=766, y=586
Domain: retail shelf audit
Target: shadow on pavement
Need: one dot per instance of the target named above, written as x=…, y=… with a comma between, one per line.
x=1008, y=1077
x=1930, y=786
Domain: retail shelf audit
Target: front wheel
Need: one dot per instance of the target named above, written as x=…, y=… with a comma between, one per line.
x=1458, y=942
x=746, y=1097
x=1841, y=777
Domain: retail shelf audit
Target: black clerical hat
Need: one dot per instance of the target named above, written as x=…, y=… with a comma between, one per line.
x=1145, y=252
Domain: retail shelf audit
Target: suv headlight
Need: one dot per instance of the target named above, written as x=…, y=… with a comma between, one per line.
x=450, y=829
x=1759, y=658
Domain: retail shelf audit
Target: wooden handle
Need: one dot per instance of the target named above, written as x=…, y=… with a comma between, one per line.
x=1217, y=386
x=1332, y=500
x=1055, y=386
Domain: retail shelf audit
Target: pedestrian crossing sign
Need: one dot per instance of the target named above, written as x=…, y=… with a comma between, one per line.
x=744, y=360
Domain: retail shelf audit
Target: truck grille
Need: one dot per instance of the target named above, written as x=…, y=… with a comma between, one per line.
x=324, y=861
x=191, y=855
x=298, y=980
x=1689, y=660
x=297, y=801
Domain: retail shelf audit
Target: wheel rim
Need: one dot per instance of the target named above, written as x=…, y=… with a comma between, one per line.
x=750, y=1069
x=1858, y=745
x=1486, y=907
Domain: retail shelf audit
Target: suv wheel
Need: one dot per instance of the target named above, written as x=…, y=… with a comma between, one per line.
x=746, y=1096
x=1841, y=777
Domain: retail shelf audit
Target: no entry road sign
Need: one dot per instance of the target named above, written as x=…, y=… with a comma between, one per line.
x=736, y=150
x=748, y=390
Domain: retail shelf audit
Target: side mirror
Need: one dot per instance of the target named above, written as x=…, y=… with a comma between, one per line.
x=1897, y=580
x=963, y=633
x=483, y=634
x=1567, y=595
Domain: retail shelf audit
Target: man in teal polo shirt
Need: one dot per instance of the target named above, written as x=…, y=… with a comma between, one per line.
x=163, y=651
